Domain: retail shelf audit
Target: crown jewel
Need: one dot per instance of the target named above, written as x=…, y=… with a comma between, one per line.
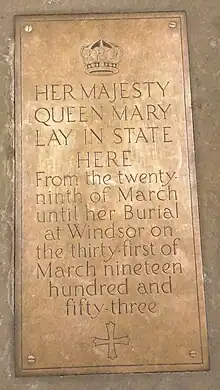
x=101, y=58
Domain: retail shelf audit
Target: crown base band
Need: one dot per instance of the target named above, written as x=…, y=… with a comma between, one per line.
x=101, y=71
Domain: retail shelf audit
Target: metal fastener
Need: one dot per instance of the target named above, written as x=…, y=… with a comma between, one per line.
x=192, y=354
x=31, y=359
x=172, y=24
x=28, y=28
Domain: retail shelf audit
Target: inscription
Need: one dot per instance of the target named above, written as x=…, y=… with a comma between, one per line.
x=108, y=232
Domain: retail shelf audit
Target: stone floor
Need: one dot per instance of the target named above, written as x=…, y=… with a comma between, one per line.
x=204, y=41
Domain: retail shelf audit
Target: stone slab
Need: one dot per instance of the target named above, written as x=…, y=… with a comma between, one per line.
x=204, y=28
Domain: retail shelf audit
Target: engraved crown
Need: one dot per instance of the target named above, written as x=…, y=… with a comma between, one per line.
x=101, y=58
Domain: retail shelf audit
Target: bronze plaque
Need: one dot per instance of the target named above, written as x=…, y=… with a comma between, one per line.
x=108, y=261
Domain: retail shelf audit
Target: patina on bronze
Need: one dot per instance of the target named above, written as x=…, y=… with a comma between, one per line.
x=108, y=260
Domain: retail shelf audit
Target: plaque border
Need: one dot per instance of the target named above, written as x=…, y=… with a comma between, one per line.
x=20, y=20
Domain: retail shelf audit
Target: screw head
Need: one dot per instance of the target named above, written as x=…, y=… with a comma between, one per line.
x=31, y=359
x=172, y=24
x=28, y=28
x=192, y=354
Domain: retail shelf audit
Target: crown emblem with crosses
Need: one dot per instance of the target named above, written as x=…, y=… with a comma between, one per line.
x=101, y=58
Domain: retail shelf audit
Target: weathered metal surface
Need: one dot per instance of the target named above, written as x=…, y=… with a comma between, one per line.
x=108, y=260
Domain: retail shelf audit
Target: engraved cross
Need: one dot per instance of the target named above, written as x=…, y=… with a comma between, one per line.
x=111, y=341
